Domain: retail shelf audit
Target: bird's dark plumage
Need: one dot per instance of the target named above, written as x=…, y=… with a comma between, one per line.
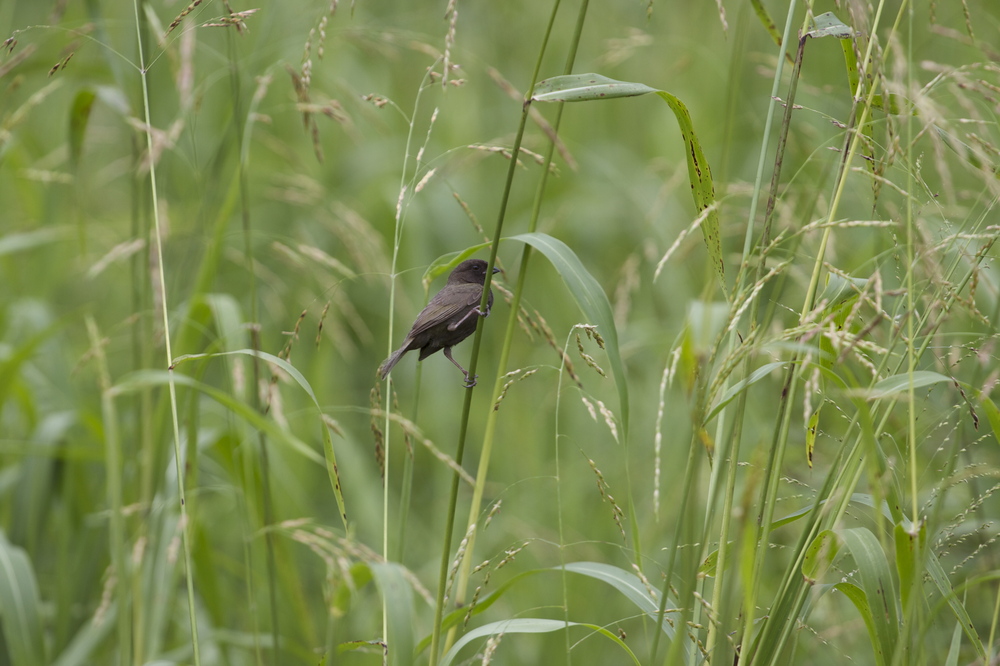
x=450, y=317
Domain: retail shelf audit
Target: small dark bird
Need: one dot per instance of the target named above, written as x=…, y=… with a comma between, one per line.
x=449, y=318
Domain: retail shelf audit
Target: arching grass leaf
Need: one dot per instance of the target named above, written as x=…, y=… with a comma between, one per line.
x=144, y=378
x=20, y=606
x=702, y=186
x=528, y=625
x=585, y=87
x=757, y=375
x=828, y=25
x=625, y=582
x=79, y=116
x=820, y=555
x=901, y=382
x=592, y=300
x=397, y=595
x=328, y=452
x=879, y=591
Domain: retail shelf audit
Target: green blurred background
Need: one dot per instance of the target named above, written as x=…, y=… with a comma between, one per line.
x=258, y=185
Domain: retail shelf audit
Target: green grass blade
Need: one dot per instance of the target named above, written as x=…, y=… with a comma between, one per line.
x=879, y=589
x=528, y=625
x=328, y=450
x=955, y=648
x=757, y=375
x=146, y=378
x=462, y=615
x=902, y=382
x=79, y=651
x=828, y=25
x=625, y=582
x=292, y=371
x=992, y=415
x=906, y=561
x=766, y=21
x=590, y=296
x=28, y=240
x=78, y=118
x=397, y=597
x=940, y=578
x=820, y=555
x=585, y=87
x=860, y=601
x=702, y=185
x=20, y=606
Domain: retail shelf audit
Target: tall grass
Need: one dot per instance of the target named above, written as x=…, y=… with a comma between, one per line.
x=775, y=446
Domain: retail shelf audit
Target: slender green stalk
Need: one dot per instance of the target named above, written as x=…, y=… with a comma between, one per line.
x=386, y=429
x=683, y=523
x=764, y=143
x=486, y=452
x=165, y=315
x=993, y=628
x=730, y=453
x=467, y=406
x=920, y=548
x=779, y=442
x=515, y=303
x=522, y=274
x=255, y=402
x=113, y=465
x=405, y=494
x=144, y=352
x=910, y=289
x=769, y=489
x=406, y=486
x=559, y=502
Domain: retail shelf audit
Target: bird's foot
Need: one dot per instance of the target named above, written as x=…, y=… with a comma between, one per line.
x=453, y=326
x=469, y=383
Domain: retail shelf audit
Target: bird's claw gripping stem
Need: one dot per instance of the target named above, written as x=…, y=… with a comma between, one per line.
x=455, y=324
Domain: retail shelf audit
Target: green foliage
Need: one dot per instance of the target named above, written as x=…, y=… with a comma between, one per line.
x=21, y=604
x=583, y=87
x=736, y=451
x=593, y=303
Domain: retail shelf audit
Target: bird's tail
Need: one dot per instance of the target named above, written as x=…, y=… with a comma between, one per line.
x=387, y=364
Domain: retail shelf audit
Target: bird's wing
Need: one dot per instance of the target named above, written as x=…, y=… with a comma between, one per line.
x=447, y=305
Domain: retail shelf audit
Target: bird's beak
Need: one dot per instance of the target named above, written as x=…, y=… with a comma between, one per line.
x=496, y=270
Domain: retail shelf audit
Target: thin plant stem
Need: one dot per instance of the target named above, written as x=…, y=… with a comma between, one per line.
x=141, y=286
x=912, y=360
x=778, y=445
x=848, y=463
x=467, y=406
x=673, y=650
x=165, y=315
x=732, y=443
x=255, y=401
x=476, y=343
x=397, y=241
x=769, y=488
x=526, y=254
x=113, y=464
x=919, y=549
